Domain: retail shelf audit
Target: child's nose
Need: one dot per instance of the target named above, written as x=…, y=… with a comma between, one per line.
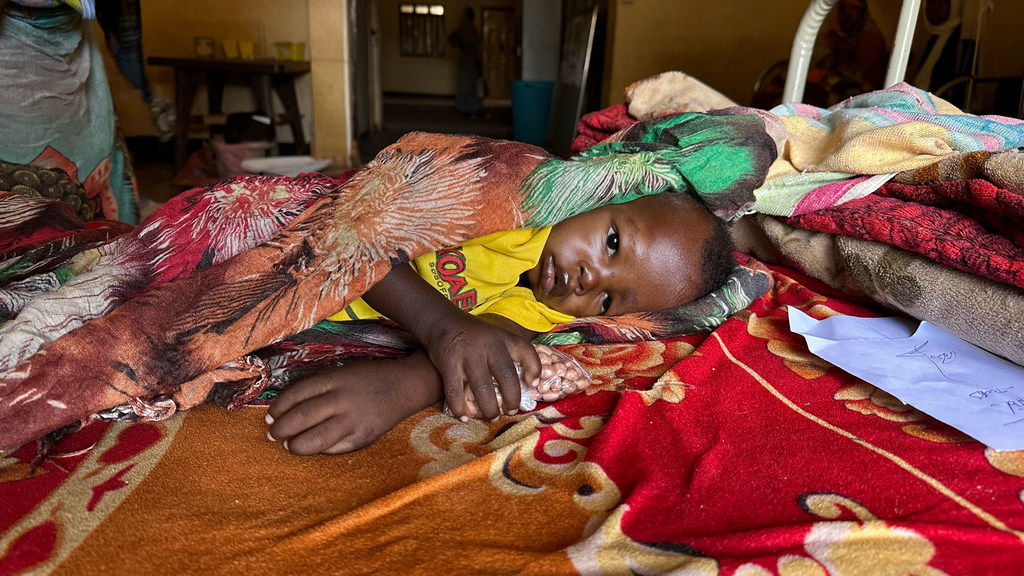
x=585, y=279
x=593, y=278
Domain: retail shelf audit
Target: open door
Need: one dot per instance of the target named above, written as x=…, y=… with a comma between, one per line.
x=500, y=47
x=364, y=34
x=571, y=86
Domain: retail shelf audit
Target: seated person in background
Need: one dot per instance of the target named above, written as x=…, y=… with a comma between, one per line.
x=649, y=254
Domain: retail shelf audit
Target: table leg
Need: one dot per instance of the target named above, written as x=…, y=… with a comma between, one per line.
x=284, y=85
x=215, y=90
x=260, y=84
x=186, y=83
x=261, y=92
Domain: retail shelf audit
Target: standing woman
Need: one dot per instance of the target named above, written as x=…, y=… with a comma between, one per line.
x=469, y=96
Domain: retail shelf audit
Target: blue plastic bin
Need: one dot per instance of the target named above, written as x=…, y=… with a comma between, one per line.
x=531, y=110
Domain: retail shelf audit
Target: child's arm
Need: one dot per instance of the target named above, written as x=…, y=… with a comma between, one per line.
x=348, y=407
x=463, y=348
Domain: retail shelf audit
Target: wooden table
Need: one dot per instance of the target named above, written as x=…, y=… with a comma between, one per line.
x=262, y=75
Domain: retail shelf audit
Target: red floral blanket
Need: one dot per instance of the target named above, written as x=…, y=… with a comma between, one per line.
x=735, y=453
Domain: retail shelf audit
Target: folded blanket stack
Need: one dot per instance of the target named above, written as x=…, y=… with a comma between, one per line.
x=898, y=196
x=919, y=207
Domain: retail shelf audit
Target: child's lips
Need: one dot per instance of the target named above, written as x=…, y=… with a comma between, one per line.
x=554, y=280
x=547, y=276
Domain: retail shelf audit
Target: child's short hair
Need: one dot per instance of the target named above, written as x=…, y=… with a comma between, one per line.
x=717, y=255
x=717, y=259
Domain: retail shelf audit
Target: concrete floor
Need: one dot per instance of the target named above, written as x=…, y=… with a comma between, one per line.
x=428, y=114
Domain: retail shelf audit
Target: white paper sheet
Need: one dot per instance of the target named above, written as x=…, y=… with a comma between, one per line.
x=934, y=371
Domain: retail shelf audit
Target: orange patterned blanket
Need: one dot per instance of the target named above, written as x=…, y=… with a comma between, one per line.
x=735, y=453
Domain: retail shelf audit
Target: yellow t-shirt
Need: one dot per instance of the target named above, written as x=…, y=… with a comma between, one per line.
x=481, y=276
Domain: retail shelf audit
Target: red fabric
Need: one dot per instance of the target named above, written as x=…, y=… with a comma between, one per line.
x=596, y=126
x=50, y=221
x=971, y=225
x=735, y=453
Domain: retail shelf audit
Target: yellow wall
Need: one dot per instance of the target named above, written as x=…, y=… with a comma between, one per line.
x=723, y=43
x=1002, y=53
x=328, y=29
x=168, y=29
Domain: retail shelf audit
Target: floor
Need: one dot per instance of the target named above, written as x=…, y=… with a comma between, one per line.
x=153, y=177
x=153, y=161
x=430, y=114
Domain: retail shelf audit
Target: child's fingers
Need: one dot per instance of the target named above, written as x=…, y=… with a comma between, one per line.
x=299, y=418
x=298, y=392
x=529, y=361
x=479, y=379
x=454, y=392
x=471, y=408
x=503, y=371
x=327, y=436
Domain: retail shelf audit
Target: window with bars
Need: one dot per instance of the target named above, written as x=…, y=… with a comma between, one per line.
x=421, y=29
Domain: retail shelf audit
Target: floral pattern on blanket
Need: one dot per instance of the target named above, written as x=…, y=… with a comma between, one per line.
x=718, y=454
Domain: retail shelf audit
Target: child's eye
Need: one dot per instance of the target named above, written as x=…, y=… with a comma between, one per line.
x=606, y=304
x=612, y=241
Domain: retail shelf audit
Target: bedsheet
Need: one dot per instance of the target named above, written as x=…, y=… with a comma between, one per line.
x=734, y=453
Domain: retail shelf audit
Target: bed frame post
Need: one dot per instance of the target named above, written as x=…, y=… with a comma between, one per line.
x=901, y=43
x=807, y=33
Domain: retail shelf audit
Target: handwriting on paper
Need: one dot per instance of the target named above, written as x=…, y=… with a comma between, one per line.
x=1016, y=407
x=928, y=368
x=936, y=359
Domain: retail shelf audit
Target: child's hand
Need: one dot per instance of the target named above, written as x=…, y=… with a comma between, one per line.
x=560, y=376
x=347, y=407
x=466, y=350
x=473, y=353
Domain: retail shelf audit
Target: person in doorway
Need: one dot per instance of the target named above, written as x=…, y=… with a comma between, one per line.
x=470, y=93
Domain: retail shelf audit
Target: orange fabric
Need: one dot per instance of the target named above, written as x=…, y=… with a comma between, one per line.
x=736, y=453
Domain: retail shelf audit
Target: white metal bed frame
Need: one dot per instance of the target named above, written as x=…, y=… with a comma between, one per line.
x=807, y=32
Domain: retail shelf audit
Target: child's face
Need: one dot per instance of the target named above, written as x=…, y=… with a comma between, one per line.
x=622, y=258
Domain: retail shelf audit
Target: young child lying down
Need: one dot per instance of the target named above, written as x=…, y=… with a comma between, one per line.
x=649, y=254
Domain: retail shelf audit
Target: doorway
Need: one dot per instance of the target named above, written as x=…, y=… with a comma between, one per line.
x=365, y=50
x=500, y=58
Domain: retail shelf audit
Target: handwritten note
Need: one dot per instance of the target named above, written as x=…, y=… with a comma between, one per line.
x=934, y=371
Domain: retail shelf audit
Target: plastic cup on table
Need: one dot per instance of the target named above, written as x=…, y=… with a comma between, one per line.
x=246, y=49
x=230, y=49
